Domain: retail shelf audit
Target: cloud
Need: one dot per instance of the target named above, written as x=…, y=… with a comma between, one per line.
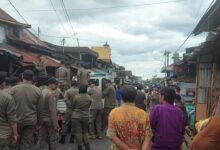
x=138, y=36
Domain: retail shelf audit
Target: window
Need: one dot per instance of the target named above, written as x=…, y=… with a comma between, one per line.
x=2, y=34
x=16, y=32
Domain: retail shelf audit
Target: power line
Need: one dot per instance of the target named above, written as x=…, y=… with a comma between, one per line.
x=189, y=35
x=110, y=7
x=68, y=20
x=60, y=20
x=66, y=37
x=18, y=12
x=67, y=17
x=21, y=15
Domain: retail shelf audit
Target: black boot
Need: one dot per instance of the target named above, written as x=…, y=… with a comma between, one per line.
x=72, y=139
x=79, y=147
x=87, y=146
x=62, y=140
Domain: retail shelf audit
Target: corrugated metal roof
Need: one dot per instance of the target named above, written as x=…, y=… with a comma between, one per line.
x=210, y=20
x=28, y=57
x=6, y=18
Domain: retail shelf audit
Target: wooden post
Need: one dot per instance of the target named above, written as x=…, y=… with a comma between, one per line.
x=197, y=89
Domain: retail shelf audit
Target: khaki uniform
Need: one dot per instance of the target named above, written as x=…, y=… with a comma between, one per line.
x=48, y=120
x=82, y=76
x=80, y=118
x=27, y=98
x=69, y=98
x=41, y=68
x=95, y=111
x=7, y=118
x=63, y=75
x=110, y=103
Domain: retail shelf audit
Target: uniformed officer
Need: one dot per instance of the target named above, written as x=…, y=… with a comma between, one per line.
x=96, y=109
x=27, y=98
x=48, y=126
x=80, y=117
x=8, y=125
x=41, y=66
x=82, y=75
x=10, y=82
x=110, y=102
x=69, y=98
x=42, y=82
x=63, y=75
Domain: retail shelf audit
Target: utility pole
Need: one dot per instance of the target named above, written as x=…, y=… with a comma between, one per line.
x=167, y=58
x=77, y=39
x=63, y=41
x=38, y=32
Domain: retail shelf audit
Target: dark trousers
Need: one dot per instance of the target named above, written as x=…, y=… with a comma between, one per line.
x=47, y=130
x=67, y=122
x=80, y=126
x=4, y=144
x=106, y=113
x=26, y=137
x=95, y=122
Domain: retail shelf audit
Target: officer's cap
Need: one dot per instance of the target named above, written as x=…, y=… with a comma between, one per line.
x=52, y=80
x=28, y=74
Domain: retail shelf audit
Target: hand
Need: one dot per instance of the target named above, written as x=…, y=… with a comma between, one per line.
x=38, y=126
x=14, y=139
x=56, y=127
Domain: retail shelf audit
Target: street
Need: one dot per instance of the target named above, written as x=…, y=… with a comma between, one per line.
x=96, y=144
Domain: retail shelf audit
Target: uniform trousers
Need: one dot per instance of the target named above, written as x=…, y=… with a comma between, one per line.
x=106, y=113
x=4, y=144
x=80, y=126
x=26, y=137
x=47, y=130
x=95, y=121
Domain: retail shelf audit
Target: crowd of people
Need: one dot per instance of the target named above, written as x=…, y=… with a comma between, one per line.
x=132, y=118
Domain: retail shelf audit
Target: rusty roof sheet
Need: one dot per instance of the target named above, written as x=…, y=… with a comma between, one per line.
x=6, y=18
x=28, y=37
x=28, y=57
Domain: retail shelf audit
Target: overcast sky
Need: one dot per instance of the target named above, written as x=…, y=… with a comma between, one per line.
x=138, y=36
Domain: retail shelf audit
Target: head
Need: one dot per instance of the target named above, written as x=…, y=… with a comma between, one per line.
x=3, y=76
x=146, y=90
x=139, y=87
x=53, y=83
x=78, y=65
x=67, y=64
x=177, y=98
x=83, y=89
x=177, y=89
x=128, y=93
x=74, y=83
x=12, y=81
x=28, y=75
x=92, y=83
x=39, y=57
x=41, y=81
x=167, y=95
x=107, y=82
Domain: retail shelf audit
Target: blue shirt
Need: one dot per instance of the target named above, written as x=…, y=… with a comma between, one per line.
x=118, y=94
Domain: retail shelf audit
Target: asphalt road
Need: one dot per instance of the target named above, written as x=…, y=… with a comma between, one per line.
x=103, y=144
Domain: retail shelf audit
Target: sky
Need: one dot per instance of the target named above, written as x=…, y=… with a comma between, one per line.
x=138, y=35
